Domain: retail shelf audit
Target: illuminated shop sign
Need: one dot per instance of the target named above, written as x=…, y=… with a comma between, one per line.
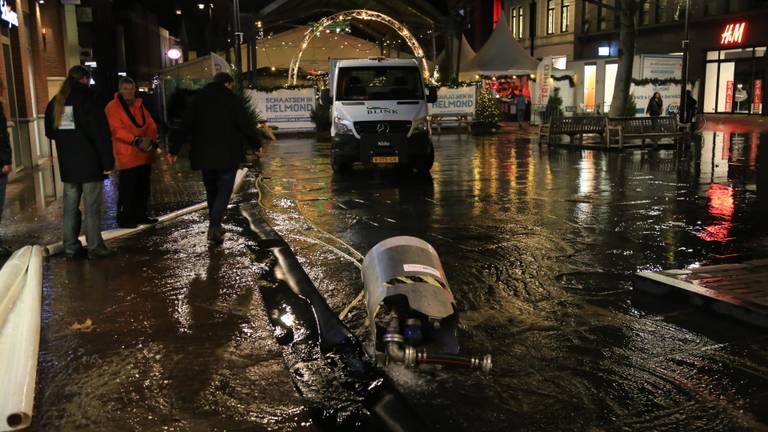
x=733, y=33
x=8, y=15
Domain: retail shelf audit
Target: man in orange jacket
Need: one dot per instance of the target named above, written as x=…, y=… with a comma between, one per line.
x=134, y=138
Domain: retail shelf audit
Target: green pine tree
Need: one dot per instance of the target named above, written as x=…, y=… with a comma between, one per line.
x=240, y=90
x=487, y=111
x=630, y=109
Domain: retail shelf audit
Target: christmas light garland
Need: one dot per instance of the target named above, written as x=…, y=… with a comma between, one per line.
x=656, y=82
x=365, y=15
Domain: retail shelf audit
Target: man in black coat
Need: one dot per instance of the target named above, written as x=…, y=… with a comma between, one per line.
x=77, y=123
x=6, y=163
x=217, y=127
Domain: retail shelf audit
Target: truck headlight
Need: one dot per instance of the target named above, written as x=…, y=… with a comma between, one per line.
x=343, y=127
x=420, y=126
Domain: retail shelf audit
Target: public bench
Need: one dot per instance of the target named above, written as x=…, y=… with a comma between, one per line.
x=621, y=129
x=572, y=126
x=437, y=120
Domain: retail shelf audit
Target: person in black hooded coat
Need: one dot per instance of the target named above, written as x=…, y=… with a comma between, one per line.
x=217, y=127
x=77, y=123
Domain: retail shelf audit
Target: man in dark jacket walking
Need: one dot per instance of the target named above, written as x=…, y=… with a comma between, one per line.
x=79, y=126
x=6, y=163
x=217, y=127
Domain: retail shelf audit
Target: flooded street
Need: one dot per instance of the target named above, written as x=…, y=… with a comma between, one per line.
x=539, y=246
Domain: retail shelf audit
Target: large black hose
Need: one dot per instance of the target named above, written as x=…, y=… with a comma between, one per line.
x=379, y=396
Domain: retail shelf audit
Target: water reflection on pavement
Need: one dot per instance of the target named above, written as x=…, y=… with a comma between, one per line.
x=538, y=245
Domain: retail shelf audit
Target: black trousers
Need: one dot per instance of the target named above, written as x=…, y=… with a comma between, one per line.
x=218, y=188
x=133, y=193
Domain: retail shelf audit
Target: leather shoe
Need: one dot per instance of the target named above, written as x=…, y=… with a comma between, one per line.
x=101, y=253
x=216, y=235
x=80, y=252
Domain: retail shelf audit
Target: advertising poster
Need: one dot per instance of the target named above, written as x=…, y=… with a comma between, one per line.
x=757, y=98
x=286, y=109
x=729, y=96
x=661, y=68
x=454, y=102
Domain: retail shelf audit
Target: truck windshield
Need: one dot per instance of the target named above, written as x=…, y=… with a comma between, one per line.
x=379, y=83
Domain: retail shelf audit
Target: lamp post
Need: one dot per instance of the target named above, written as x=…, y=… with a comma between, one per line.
x=237, y=38
x=684, y=87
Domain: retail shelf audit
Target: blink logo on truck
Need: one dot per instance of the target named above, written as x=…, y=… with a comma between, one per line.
x=373, y=110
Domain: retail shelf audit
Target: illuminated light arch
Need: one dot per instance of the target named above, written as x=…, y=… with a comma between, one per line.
x=365, y=15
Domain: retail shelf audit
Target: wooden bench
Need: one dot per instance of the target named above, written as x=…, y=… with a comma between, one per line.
x=572, y=126
x=620, y=129
x=461, y=120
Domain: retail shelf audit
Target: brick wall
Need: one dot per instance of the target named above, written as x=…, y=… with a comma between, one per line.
x=47, y=49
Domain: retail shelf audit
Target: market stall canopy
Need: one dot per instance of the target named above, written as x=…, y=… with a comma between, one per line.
x=501, y=55
x=201, y=68
x=447, y=58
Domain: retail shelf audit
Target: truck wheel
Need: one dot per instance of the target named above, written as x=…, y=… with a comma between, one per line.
x=424, y=165
x=339, y=166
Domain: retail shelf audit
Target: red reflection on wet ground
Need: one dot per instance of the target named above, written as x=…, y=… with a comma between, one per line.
x=735, y=123
x=721, y=208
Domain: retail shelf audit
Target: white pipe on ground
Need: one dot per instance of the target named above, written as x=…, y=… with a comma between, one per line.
x=108, y=235
x=19, y=343
x=12, y=280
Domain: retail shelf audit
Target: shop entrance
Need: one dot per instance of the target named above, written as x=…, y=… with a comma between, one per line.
x=734, y=81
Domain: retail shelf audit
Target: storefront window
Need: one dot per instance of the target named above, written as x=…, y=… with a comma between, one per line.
x=710, y=90
x=735, y=53
x=611, y=70
x=590, y=81
x=734, y=81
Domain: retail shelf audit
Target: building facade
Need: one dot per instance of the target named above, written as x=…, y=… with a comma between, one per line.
x=727, y=61
x=41, y=40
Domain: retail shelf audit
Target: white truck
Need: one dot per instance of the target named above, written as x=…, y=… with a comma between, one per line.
x=378, y=109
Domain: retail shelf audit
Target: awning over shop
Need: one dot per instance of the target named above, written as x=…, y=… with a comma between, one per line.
x=501, y=55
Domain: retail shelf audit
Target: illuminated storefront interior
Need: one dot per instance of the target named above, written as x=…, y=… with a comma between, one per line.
x=734, y=76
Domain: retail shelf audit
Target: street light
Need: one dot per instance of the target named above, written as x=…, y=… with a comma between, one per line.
x=684, y=87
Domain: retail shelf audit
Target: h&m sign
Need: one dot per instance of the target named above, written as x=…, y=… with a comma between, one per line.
x=733, y=33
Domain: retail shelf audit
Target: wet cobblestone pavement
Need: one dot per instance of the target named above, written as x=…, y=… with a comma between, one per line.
x=539, y=246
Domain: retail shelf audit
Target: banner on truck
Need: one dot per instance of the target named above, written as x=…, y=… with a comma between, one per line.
x=286, y=109
x=454, y=102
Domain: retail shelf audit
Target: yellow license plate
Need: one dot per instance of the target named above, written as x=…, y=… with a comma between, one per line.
x=386, y=159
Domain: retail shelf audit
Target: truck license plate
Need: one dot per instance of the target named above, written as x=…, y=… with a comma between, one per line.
x=385, y=159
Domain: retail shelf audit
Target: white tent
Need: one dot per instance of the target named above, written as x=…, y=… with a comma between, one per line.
x=447, y=58
x=501, y=55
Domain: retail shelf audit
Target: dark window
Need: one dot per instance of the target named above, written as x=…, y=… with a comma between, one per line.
x=550, y=16
x=602, y=18
x=565, y=16
x=586, y=25
x=379, y=83
x=661, y=11
x=645, y=13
